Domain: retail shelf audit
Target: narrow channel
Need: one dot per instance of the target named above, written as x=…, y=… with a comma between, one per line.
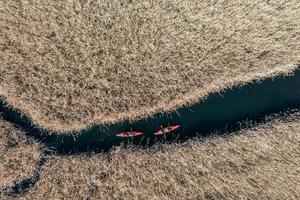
x=221, y=111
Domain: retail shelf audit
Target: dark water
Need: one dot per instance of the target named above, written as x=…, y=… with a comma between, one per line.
x=222, y=112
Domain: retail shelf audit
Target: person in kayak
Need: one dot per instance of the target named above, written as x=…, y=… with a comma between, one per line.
x=130, y=133
x=162, y=129
x=165, y=130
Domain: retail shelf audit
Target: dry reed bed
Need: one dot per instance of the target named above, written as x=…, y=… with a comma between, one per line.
x=70, y=64
x=18, y=155
x=257, y=163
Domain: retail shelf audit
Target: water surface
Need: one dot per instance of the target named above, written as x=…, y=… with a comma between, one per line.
x=221, y=111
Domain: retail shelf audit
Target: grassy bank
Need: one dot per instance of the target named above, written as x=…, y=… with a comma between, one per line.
x=72, y=64
x=19, y=156
x=261, y=162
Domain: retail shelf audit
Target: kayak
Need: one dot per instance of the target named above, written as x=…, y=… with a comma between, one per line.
x=129, y=134
x=167, y=129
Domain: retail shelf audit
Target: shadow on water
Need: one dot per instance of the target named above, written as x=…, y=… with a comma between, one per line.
x=222, y=112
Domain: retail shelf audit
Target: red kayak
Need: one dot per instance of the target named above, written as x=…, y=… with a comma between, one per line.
x=167, y=129
x=129, y=134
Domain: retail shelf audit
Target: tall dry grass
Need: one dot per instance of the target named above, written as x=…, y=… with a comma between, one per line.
x=69, y=64
x=19, y=156
x=261, y=162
